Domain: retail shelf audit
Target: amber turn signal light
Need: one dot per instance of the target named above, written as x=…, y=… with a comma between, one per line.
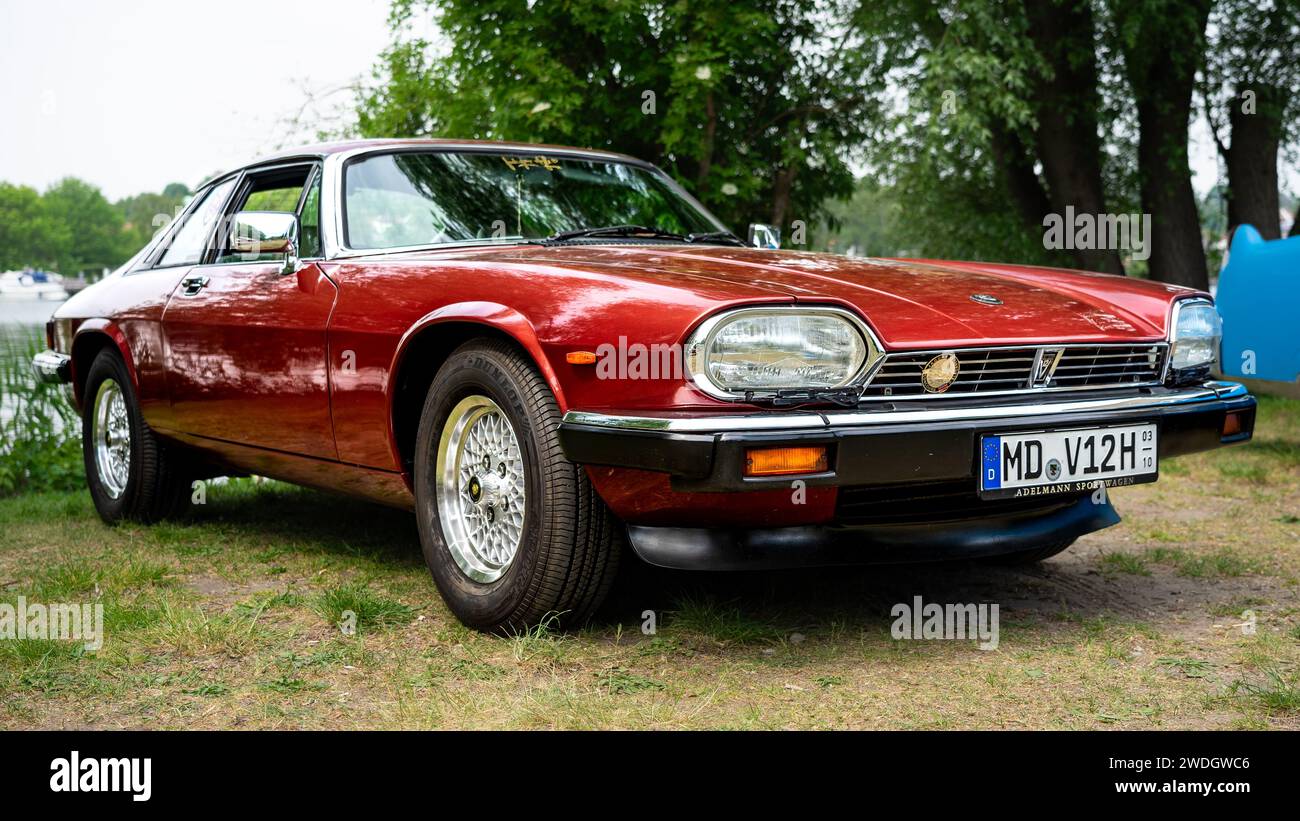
x=580, y=358
x=785, y=461
x=1231, y=425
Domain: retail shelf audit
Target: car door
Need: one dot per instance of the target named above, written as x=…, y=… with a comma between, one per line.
x=246, y=343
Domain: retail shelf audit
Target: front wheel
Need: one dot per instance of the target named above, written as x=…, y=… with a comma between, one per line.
x=130, y=473
x=513, y=532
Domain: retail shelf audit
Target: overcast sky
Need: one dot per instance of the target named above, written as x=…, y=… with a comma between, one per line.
x=134, y=94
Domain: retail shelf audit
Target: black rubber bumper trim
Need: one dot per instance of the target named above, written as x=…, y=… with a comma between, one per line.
x=880, y=453
x=688, y=455
x=784, y=547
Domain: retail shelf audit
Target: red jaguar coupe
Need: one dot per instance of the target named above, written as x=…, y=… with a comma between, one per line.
x=550, y=353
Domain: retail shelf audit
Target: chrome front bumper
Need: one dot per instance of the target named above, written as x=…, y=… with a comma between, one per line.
x=804, y=421
x=52, y=367
x=889, y=443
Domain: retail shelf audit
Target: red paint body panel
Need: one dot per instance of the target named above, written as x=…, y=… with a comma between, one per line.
x=129, y=311
x=246, y=358
x=644, y=497
x=293, y=376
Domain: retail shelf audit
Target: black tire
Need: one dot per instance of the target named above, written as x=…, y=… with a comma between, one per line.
x=568, y=553
x=1034, y=556
x=156, y=484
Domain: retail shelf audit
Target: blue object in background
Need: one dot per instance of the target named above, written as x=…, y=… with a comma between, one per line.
x=1259, y=300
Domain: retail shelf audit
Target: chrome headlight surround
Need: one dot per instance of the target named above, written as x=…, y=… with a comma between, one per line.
x=699, y=346
x=1195, y=336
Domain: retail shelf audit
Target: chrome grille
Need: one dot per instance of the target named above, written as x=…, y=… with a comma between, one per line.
x=1012, y=369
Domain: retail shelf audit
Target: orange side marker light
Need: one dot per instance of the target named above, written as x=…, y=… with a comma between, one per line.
x=785, y=461
x=1231, y=425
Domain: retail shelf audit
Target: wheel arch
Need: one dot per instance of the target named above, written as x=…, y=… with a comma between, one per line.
x=427, y=344
x=91, y=337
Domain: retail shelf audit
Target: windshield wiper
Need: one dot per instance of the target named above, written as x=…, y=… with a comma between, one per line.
x=844, y=397
x=639, y=232
x=725, y=237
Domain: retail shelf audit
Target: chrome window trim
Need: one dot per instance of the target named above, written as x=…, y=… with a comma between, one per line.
x=1174, y=310
x=1026, y=390
x=161, y=243
x=801, y=421
x=705, y=331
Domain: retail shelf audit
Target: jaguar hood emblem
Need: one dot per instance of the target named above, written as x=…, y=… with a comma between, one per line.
x=985, y=299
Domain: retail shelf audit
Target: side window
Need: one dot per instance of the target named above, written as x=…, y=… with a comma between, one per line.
x=190, y=242
x=309, y=222
x=278, y=189
x=274, y=199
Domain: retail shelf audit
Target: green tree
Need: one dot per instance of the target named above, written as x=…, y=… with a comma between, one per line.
x=143, y=215
x=755, y=107
x=29, y=233
x=1163, y=44
x=1250, y=98
x=865, y=225
x=961, y=150
x=93, y=226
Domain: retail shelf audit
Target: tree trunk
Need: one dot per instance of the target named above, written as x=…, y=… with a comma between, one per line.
x=1066, y=140
x=781, y=193
x=1013, y=159
x=1161, y=61
x=710, y=132
x=1252, y=160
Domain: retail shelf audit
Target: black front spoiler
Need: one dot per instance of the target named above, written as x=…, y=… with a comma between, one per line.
x=783, y=547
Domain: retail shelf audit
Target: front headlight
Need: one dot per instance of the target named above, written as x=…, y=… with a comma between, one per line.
x=1195, y=335
x=773, y=349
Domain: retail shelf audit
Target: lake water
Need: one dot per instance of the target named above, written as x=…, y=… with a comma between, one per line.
x=20, y=320
x=28, y=312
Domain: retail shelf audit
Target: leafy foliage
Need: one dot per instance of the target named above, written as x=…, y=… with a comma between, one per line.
x=72, y=227
x=40, y=443
x=750, y=106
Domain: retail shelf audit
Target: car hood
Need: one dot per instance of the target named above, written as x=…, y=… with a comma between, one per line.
x=909, y=303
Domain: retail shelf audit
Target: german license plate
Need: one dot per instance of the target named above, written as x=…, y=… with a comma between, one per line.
x=1066, y=461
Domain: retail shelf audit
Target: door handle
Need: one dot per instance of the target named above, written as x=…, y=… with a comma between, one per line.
x=194, y=284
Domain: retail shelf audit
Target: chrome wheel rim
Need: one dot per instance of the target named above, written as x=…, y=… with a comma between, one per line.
x=481, y=488
x=112, y=438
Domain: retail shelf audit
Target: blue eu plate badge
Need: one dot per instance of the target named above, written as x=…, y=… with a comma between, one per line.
x=992, y=472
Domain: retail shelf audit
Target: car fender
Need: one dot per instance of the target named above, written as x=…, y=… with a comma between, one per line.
x=109, y=328
x=492, y=315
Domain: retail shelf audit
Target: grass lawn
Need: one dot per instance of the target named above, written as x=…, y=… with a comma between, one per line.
x=230, y=617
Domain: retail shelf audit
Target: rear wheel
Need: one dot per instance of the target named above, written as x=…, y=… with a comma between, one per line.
x=130, y=472
x=513, y=532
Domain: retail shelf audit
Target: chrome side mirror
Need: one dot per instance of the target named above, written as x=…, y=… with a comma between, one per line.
x=762, y=235
x=255, y=234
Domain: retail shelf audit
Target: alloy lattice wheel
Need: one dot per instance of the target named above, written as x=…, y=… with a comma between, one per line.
x=112, y=438
x=482, y=488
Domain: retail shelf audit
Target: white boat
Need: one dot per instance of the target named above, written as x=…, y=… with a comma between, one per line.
x=43, y=285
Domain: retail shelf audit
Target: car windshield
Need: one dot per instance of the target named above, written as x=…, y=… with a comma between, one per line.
x=427, y=198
